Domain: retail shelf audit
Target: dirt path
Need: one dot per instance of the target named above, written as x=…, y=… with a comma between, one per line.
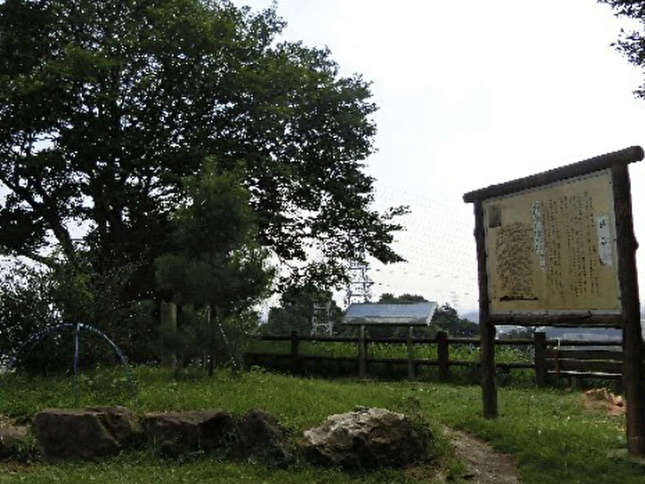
x=485, y=466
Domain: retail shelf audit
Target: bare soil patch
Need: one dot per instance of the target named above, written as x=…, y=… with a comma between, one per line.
x=484, y=465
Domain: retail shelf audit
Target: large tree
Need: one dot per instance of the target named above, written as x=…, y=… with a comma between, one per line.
x=105, y=106
x=631, y=43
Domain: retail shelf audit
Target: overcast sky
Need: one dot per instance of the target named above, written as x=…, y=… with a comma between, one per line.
x=474, y=93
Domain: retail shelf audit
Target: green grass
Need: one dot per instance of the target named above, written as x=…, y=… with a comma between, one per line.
x=553, y=438
x=139, y=467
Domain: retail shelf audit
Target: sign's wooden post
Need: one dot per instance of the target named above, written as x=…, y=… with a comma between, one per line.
x=558, y=249
x=443, y=356
x=486, y=326
x=632, y=338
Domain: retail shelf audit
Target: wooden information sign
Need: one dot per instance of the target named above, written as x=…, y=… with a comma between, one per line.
x=558, y=249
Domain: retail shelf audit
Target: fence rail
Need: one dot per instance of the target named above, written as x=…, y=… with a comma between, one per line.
x=551, y=357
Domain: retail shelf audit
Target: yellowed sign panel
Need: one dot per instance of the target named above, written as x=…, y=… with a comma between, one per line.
x=553, y=248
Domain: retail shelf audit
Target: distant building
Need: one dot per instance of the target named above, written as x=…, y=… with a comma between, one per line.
x=375, y=314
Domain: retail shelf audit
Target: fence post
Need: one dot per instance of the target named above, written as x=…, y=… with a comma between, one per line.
x=539, y=341
x=362, y=354
x=295, y=343
x=442, y=355
x=411, y=366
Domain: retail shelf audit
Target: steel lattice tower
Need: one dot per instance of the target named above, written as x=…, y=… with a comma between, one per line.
x=359, y=286
x=321, y=324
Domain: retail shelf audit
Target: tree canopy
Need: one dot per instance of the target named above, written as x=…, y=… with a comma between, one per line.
x=446, y=318
x=296, y=309
x=389, y=298
x=631, y=43
x=105, y=106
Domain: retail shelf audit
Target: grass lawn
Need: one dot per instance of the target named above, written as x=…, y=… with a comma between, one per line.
x=552, y=437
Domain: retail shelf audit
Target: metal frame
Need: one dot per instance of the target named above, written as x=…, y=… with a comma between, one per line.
x=29, y=344
x=629, y=317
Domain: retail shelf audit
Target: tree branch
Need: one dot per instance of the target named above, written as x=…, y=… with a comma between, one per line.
x=46, y=261
x=60, y=232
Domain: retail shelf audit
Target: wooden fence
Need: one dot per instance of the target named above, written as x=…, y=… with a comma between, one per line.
x=565, y=358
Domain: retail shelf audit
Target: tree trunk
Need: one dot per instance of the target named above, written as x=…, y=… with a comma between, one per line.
x=168, y=325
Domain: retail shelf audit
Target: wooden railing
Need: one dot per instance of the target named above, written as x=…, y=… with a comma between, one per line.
x=548, y=360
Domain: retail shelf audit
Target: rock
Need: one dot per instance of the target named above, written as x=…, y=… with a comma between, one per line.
x=365, y=438
x=14, y=442
x=120, y=423
x=84, y=433
x=261, y=436
x=177, y=433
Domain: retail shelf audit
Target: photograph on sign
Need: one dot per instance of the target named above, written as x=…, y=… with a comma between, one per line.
x=553, y=248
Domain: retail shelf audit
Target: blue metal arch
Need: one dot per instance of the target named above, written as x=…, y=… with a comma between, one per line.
x=76, y=327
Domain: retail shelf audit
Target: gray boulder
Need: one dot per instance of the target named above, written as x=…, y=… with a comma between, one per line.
x=365, y=438
x=260, y=436
x=84, y=433
x=177, y=433
x=14, y=441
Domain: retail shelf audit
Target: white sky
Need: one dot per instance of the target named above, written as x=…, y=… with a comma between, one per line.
x=474, y=93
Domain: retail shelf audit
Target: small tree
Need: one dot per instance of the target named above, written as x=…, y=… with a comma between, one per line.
x=26, y=306
x=446, y=318
x=216, y=263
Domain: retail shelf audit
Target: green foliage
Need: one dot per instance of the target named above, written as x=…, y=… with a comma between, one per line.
x=26, y=306
x=446, y=319
x=33, y=298
x=216, y=271
x=105, y=106
x=388, y=298
x=631, y=43
x=215, y=258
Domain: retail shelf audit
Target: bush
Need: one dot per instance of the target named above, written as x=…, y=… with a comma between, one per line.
x=27, y=306
x=34, y=298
